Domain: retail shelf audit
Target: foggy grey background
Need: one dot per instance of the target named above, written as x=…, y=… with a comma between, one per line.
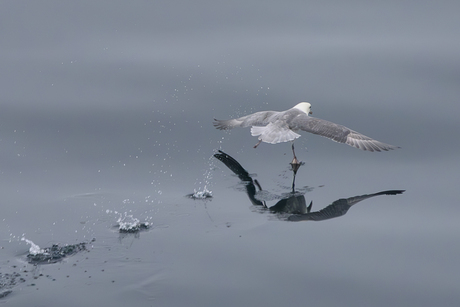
x=108, y=106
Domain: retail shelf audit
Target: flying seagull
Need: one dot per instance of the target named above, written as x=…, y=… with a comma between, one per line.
x=275, y=127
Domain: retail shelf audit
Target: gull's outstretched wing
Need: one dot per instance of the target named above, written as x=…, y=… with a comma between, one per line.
x=337, y=133
x=255, y=119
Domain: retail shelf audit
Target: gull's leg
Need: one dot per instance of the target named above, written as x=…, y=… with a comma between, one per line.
x=294, y=161
x=258, y=143
x=295, y=165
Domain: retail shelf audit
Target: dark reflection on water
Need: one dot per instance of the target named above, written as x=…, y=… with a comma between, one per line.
x=294, y=202
x=338, y=207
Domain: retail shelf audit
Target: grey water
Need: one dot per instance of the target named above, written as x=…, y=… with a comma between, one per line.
x=106, y=114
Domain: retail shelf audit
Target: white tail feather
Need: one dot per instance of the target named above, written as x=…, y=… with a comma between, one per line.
x=274, y=134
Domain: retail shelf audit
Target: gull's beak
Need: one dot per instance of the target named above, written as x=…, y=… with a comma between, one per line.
x=310, y=112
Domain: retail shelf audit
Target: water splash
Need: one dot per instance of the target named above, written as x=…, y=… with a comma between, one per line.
x=204, y=193
x=127, y=223
x=34, y=248
x=201, y=194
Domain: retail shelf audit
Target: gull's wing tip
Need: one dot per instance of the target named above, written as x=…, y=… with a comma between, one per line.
x=220, y=124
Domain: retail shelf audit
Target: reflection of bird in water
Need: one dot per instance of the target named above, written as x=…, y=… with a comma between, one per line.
x=294, y=203
x=276, y=127
x=244, y=176
x=337, y=208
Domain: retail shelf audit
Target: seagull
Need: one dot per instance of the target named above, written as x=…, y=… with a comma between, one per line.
x=276, y=127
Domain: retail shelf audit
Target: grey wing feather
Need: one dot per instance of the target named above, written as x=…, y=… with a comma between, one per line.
x=338, y=133
x=321, y=127
x=255, y=119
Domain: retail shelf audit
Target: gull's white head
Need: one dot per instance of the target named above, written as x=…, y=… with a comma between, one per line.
x=304, y=107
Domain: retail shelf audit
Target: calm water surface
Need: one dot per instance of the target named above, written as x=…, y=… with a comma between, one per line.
x=106, y=117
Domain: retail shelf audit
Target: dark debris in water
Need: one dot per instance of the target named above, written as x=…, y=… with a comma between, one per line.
x=8, y=281
x=4, y=293
x=55, y=253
